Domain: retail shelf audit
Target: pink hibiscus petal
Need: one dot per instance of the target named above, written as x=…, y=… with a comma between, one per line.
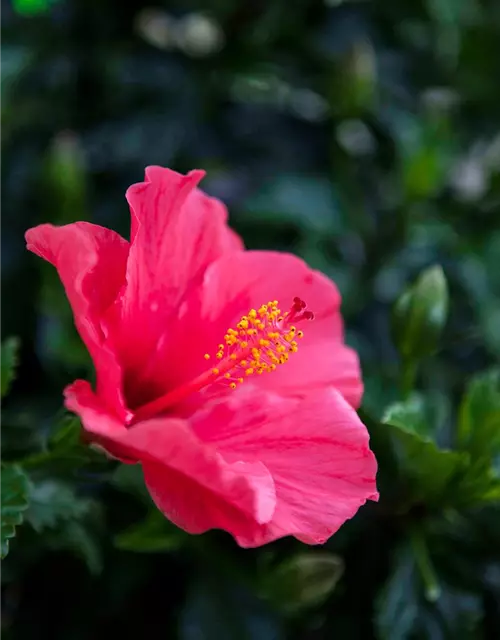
x=190, y=481
x=318, y=364
x=237, y=282
x=316, y=450
x=91, y=262
x=177, y=231
x=239, y=497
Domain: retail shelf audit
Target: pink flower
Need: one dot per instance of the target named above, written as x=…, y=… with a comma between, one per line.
x=239, y=408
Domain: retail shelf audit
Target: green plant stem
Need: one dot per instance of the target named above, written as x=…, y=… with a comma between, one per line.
x=425, y=566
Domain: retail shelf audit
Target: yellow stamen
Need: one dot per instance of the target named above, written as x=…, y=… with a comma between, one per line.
x=261, y=341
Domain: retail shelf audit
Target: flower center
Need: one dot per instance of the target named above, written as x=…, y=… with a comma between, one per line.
x=262, y=340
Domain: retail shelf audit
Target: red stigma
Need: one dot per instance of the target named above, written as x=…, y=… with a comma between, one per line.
x=298, y=305
x=299, y=311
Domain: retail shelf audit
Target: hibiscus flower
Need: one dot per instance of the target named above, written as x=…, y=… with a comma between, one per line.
x=222, y=371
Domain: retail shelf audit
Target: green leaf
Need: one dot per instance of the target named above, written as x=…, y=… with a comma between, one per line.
x=155, y=534
x=420, y=314
x=65, y=450
x=407, y=415
x=67, y=520
x=10, y=351
x=52, y=501
x=429, y=472
x=439, y=476
x=479, y=416
x=14, y=493
x=479, y=483
x=434, y=476
x=66, y=434
x=419, y=414
x=304, y=581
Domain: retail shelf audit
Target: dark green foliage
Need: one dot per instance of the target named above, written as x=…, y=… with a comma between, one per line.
x=15, y=492
x=362, y=136
x=10, y=350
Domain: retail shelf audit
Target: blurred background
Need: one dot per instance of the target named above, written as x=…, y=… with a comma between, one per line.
x=363, y=136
